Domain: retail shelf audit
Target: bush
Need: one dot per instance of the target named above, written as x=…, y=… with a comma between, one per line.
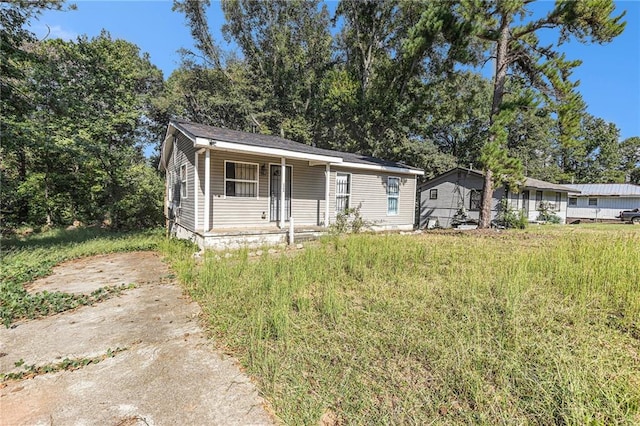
x=350, y=220
x=547, y=214
x=510, y=218
x=141, y=205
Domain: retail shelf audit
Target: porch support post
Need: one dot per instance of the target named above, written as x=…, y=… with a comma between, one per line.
x=283, y=182
x=207, y=189
x=327, y=182
x=196, y=189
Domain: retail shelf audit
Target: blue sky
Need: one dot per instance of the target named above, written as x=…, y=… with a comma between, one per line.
x=609, y=75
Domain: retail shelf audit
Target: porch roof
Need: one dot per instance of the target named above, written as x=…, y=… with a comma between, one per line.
x=220, y=138
x=541, y=184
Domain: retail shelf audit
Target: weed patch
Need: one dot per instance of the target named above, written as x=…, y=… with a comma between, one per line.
x=525, y=326
x=24, y=259
x=30, y=371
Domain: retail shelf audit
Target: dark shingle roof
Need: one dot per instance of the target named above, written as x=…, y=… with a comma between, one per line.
x=268, y=141
x=541, y=184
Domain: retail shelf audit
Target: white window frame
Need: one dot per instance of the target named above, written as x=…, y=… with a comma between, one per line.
x=184, y=182
x=348, y=194
x=595, y=204
x=558, y=200
x=396, y=196
x=170, y=185
x=257, y=181
x=572, y=202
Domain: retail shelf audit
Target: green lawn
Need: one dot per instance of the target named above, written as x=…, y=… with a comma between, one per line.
x=24, y=259
x=540, y=326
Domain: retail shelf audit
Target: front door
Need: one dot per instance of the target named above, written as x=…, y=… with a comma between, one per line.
x=275, y=193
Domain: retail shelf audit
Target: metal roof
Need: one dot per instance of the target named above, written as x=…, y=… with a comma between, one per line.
x=268, y=141
x=607, y=189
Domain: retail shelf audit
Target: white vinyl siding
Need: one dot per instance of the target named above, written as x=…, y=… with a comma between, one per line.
x=180, y=175
x=240, y=179
x=343, y=191
x=393, y=195
x=607, y=208
x=369, y=193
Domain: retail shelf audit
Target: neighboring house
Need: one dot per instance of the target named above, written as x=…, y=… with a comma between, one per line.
x=459, y=190
x=602, y=201
x=226, y=188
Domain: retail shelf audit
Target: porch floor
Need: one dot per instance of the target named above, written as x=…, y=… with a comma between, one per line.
x=263, y=230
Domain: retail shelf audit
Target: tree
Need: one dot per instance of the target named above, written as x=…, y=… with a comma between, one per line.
x=507, y=29
x=92, y=98
x=630, y=158
x=208, y=96
x=598, y=156
x=16, y=102
x=287, y=48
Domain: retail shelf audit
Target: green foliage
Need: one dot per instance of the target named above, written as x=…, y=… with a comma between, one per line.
x=547, y=213
x=510, y=218
x=69, y=364
x=88, y=119
x=141, y=204
x=350, y=221
x=508, y=33
x=439, y=328
x=24, y=259
x=286, y=44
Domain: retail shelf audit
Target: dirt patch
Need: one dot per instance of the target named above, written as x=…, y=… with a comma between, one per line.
x=163, y=370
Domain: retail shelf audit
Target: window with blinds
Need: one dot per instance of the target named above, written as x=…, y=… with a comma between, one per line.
x=240, y=179
x=393, y=195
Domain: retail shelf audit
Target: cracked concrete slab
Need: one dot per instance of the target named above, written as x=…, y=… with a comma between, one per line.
x=168, y=372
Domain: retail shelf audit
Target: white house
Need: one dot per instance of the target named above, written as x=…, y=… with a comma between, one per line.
x=226, y=188
x=601, y=201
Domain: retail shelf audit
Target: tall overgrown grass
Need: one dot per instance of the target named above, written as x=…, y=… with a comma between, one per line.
x=24, y=259
x=535, y=326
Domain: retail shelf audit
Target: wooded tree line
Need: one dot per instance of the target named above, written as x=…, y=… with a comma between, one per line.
x=395, y=79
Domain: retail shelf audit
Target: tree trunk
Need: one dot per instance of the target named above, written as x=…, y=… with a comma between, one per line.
x=498, y=93
x=23, y=206
x=487, y=198
x=47, y=204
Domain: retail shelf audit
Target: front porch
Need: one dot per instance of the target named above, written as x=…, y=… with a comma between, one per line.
x=232, y=238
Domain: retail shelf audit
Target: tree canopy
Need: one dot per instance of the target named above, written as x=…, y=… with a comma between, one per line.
x=403, y=80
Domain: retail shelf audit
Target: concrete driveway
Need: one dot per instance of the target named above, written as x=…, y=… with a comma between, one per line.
x=139, y=358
